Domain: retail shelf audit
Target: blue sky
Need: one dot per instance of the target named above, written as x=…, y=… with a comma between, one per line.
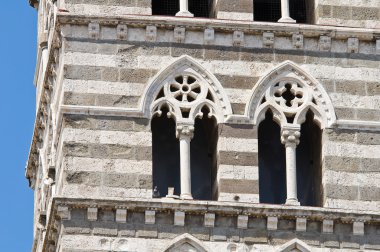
x=17, y=109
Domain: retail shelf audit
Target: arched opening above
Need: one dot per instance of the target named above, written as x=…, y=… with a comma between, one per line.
x=200, y=8
x=270, y=10
x=203, y=157
x=185, y=242
x=309, y=164
x=166, y=162
x=272, y=170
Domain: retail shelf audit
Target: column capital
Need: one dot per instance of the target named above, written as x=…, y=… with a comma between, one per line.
x=290, y=135
x=184, y=131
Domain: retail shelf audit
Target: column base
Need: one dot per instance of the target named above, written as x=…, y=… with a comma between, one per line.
x=292, y=202
x=286, y=20
x=184, y=14
x=186, y=197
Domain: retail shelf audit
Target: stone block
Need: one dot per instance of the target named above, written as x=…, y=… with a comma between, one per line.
x=328, y=226
x=377, y=46
x=179, y=218
x=93, y=30
x=238, y=38
x=242, y=221
x=209, y=220
x=364, y=13
x=238, y=158
x=209, y=36
x=353, y=45
x=301, y=223
x=239, y=186
x=92, y=213
x=63, y=212
x=297, y=40
x=151, y=33
x=268, y=39
x=341, y=12
x=272, y=222
x=368, y=138
x=358, y=228
x=324, y=43
x=179, y=34
x=150, y=217
x=121, y=215
x=122, y=32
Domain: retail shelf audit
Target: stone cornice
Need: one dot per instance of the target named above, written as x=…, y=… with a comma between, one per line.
x=248, y=27
x=60, y=209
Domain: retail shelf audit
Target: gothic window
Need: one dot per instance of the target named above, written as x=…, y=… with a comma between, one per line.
x=185, y=103
x=187, y=162
x=272, y=170
x=198, y=8
x=291, y=106
x=270, y=10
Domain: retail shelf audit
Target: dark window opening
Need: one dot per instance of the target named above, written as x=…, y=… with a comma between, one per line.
x=203, y=158
x=270, y=10
x=166, y=156
x=165, y=7
x=297, y=10
x=200, y=8
x=267, y=10
x=309, y=164
x=272, y=166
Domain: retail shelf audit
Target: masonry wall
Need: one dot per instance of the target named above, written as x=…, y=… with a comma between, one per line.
x=358, y=13
x=108, y=156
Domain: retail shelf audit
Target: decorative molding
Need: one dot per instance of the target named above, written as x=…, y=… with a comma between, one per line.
x=238, y=38
x=151, y=33
x=122, y=31
x=92, y=213
x=209, y=36
x=209, y=220
x=358, y=228
x=121, y=215
x=93, y=30
x=324, y=43
x=353, y=45
x=301, y=223
x=289, y=91
x=272, y=222
x=150, y=217
x=297, y=40
x=294, y=245
x=242, y=221
x=328, y=226
x=63, y=212
x=268, y=39
x=186, y=86
x=179, y=34
x=179, y=218
x=179, y=241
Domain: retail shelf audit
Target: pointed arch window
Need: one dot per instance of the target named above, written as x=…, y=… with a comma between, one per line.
x=292, y=107
x=185, y=113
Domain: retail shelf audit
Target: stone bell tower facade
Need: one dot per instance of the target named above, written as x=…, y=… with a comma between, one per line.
x=207, y=125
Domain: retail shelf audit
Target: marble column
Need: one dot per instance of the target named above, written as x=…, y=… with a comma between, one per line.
x=184, y=9
x=290, y=135
x=285, y=13
x=185, y=134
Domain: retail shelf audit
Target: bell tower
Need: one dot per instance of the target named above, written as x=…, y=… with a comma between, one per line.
x=206, y=125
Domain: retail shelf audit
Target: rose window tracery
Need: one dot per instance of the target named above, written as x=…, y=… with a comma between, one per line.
x=185, y=88
x=186, y=95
